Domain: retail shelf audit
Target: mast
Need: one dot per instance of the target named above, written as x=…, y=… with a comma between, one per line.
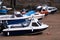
x=13, y=4
x=52, y=2
x=1, y=1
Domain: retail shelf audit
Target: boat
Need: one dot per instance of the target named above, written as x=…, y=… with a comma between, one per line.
x=3, y=9
x=22, y=24
x=49, y=9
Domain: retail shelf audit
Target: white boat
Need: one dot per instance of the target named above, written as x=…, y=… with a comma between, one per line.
x=50, y=9
x=22, y=24
x=18, y=14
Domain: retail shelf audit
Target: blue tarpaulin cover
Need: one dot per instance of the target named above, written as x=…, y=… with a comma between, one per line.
x=29, y=13
x=3, y=11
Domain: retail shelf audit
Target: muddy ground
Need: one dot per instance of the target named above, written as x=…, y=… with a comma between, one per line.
x=52, y=33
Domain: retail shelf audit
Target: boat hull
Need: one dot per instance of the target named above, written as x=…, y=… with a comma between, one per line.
x=26, y=29
x=21, y=32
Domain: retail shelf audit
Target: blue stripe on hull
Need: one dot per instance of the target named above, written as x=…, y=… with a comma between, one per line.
x=16, y=21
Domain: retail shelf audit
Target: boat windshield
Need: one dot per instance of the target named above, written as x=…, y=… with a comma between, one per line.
x=34, y=24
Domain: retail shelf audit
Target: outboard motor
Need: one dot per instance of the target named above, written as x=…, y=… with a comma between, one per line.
x=3, y=25
x=17, y=14
x=39, y=8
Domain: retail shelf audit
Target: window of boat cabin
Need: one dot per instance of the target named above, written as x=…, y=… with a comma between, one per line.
x=34, y=24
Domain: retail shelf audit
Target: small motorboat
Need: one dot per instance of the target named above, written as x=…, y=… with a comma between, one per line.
x=22, y=24
x=49, y=9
